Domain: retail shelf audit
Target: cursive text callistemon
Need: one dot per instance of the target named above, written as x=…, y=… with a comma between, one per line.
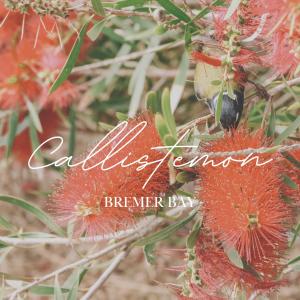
x=119, y=139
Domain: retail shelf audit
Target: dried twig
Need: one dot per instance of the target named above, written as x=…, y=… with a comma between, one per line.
x=248, y=151
x=282, y=86
x=131, y=56
x=104, y=276
x=71, y=266
x=155, y=222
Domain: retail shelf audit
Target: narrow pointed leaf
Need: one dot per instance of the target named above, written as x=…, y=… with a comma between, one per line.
x=166, y=232
x=167, y=112
x=72, y=132
x=34, y=210
x=34, y=115
x=98, y=7
x=96, y=30
x=12, y=130
x=174, y=10
x=70, y=63
x=286, y=133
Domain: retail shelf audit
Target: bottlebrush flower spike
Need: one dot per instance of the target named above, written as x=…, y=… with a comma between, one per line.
x=272, y=28
x=33, y=59
x=242, y=204
x=80, y=198
x=219, y=277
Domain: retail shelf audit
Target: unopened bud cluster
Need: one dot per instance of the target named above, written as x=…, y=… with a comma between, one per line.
x=41, y=7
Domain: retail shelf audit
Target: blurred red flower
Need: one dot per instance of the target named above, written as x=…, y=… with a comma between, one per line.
x=271, y=28
x=242, y=204
x=219, y=277
x=33, y=58
x=81, y=195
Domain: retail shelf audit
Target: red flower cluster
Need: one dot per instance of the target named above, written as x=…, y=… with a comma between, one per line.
x=243, y=209
x=262, y=32
x=32, y=54
x=219, y=277
x=81, y=196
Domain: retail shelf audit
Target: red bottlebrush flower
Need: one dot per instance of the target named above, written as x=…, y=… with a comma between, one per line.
x=33, y=59
x=22, y=148
x=63, y=97
x=242, y=204
x=20, y=77
x=271, y=27
x=282, y=55
x=81, y=195
x=219, y=277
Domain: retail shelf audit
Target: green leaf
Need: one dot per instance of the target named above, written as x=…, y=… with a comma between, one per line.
x=70, y=63
x=44, y=290
x=234, y=257
x=3, y=245
x=34, y=210
x=127, y=3
x=272, y=123
x=6, y=225
x=98, y=7
x=58, y=295
x=161, y=126
x=96, y=30
x=289, y=182
x=166, y=232
x=204, y=11
x=193, y=236
x=72, y=132
x=170, y=141
x=105, y=126
x=167, y=112
x=73, y=277
x=291, y=159
x=113, y=70
x=121, y=117
x=34, y=140
x=113, y=36
x=12, y=130
x=294, y=260
x=232, y=8
x=184, y=177
x=152, y=102
x=174, y=10
x=179, y=82
x=188, y=33
x=296, y=234
x=216, y=82
x=219, y=107
x=34, y=115
x=149, y=253
x=138, y=78
x=286, y=133
x=74, y=290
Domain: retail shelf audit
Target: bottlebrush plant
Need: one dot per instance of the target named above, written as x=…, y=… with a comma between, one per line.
x=163, y=128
